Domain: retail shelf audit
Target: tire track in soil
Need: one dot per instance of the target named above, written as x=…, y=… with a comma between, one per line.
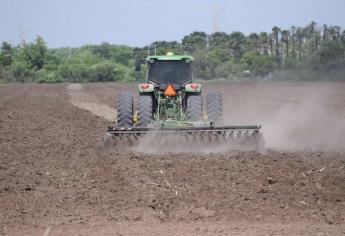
x=84, y=101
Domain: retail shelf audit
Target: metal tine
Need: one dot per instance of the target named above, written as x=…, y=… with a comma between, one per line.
x=230, y=136
x=185, y=138
x=225, y=135
x=234, y=139
x=245, y=136
x=212, y=137
x=126, y=140
x=218, y=137
x=134, y=139
x=200, y=139
x=122, y=138
x=197, y=140
x=204, y=138
x=207, y=138
x=176, y=139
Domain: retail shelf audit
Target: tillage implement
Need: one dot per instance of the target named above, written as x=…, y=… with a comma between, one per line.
x=170, y=108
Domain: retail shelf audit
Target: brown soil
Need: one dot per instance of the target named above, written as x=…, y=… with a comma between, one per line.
x=54, y=181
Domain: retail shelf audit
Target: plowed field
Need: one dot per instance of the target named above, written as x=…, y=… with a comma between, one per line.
x=54, y=180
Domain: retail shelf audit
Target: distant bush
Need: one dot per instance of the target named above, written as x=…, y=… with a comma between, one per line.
x=110, y=71
x=45, y=76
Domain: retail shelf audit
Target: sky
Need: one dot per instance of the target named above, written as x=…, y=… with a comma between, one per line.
x=72, y=23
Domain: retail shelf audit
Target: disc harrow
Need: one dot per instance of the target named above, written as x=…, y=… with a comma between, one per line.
x=226, y=137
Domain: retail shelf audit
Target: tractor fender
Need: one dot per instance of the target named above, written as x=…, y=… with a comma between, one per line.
x=193, y=88
x=146, y=88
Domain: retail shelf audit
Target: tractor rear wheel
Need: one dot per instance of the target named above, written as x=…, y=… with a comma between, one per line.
x=194, y=108
x=214, y=104
x=144, y=110
x=124, y=110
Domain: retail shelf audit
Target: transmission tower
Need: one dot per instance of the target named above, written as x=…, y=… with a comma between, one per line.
x=23, y=32
x=215, y=18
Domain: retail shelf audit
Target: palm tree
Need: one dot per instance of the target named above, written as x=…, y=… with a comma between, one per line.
x=254, y=41
x=285, y=39
x=311, y=35
x=343, y=37
x=325, y=32
x=275, y=31
x=317, y=37
x=271, y=40
x=337, y=32
x=264, y=41
x=332, y=33
x=300, y=34
x=236, y=41
x=293, y=38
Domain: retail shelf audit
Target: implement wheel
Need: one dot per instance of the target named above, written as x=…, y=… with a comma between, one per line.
x=124, y=110
x=214, y=104
x=194, y=108
x=144, y=110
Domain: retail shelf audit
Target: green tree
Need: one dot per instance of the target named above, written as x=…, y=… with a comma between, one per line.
x=331, y=51
x=300, y=35
x=285, y=40
x=254, y=42
x=110, y=71
x=219, y=40
x=194, y=41
x=257, y=63
x=6, y=54
x=265, y=43
x=162, y=47
x=34, y=53
x=237, y=42
x=293, y=41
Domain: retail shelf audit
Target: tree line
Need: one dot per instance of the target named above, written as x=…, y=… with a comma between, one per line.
x=312, y=49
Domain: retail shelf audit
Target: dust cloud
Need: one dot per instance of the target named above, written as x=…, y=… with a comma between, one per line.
x=295, y=116
x=82, y=100
x=313, y=122
x=167, y=143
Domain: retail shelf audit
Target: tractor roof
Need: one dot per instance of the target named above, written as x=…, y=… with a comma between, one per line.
x=170, y=57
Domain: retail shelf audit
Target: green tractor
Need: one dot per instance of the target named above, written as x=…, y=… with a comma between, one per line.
x=171, y=104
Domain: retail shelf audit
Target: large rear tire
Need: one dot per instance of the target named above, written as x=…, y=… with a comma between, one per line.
x=144, y=110
x=124, y=110
x=194, y=108
x=214, y=104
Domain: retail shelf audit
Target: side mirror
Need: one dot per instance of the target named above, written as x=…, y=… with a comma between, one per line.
x=137, y=65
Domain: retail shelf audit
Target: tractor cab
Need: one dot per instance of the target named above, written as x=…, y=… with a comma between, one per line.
x=169, y=69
